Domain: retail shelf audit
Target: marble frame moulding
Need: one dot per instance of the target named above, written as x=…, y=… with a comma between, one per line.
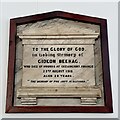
x=97, y=87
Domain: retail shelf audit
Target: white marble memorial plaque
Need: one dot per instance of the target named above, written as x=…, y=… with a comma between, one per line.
x=57, y=64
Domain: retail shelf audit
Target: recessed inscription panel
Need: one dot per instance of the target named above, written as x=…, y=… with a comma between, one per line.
x=58, y=65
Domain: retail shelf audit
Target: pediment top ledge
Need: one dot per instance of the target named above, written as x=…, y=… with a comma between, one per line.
x=61, y=36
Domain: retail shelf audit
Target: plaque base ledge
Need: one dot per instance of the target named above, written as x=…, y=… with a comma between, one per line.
x=29, y=95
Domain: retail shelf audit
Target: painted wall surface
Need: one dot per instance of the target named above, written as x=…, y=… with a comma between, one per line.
x=107, y=10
